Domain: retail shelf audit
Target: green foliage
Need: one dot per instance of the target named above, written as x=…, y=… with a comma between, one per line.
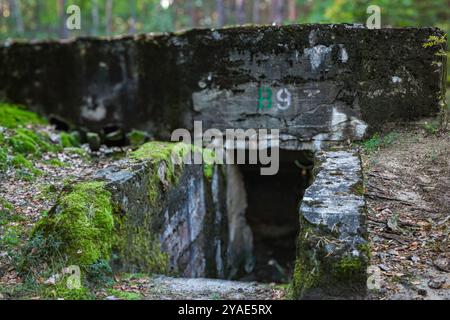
x=434, y=41
x=40, y=249
x=83, y=224
x=61, y=291
x=3, y=159
x=431, y=128
x=377, y=141
x=13, y=116
x=55, y=163
x=136, y=137
x=69, y=140
x=26, y=141
x=10, y=238
x=78, y=151
x=25, y=170
x=373, y=143
x=99, y=273
x=124, y=295
x=6, y=205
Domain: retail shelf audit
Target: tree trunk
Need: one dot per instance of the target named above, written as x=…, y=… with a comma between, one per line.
x=256, y=15
x=240, y=12
x=108, y=14
x=63, y=32
x=95, y=18
x=277, y=11
x=132, y=21
x=220, y=13
x=17, y=15
x=192, y=10
x=292, y=11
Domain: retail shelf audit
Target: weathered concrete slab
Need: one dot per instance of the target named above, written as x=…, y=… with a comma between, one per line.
x=165, y=288
x=333, y=252
x=314, y=82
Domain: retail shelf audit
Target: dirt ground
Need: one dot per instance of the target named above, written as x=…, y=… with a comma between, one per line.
x=408, y=196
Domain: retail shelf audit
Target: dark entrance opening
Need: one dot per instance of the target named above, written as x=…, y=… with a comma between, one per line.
x=273, y=215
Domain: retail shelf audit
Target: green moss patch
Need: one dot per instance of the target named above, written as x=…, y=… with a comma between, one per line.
x=69, y=140
x=26, y=141
x=83, y=223
x=317, y=268
x=13, y=116
x=136, y=138
x=171, y=152
x=124, y=295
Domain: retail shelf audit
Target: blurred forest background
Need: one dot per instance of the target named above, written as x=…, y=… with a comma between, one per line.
x=42, y=19
x=46, y=19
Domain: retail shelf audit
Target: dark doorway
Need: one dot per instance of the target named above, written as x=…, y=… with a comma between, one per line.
x=273, y=215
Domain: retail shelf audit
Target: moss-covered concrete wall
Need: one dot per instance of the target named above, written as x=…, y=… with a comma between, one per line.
x=341, y=80
x=144, y=213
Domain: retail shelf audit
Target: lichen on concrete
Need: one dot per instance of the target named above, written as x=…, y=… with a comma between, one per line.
x=332, y=250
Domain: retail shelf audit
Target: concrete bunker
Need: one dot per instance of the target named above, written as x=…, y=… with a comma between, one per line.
x=340, y=79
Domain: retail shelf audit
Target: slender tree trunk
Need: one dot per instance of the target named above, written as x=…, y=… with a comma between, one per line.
x=132, y=22
x=256, y=15
x=63, y=32
x=37, y=17
x=17, y=15
x=108, y=14
x=220, y=13
x=240, y=12
x=292, y=11
x=192, y=11
x=277, y=11
x=95, y=18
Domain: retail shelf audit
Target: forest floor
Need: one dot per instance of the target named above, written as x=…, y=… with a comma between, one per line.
x=407, y=177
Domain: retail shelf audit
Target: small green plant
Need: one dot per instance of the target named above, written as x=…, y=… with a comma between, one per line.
x=6, y=205
x=434, y=41
x=99, y=273
x=124, y=295
x=10, y=237
x=377, y=141
x=25, y=168
x=431, y=128
x=55, y=163
x=373, y=143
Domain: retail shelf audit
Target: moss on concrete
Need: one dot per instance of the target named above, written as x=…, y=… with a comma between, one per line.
x=306, y=271
x=139, y=247
x=83, y=222
x=316, y=268
x=172, y=153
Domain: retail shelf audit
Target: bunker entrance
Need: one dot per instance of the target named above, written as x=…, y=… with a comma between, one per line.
x=273, y=216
